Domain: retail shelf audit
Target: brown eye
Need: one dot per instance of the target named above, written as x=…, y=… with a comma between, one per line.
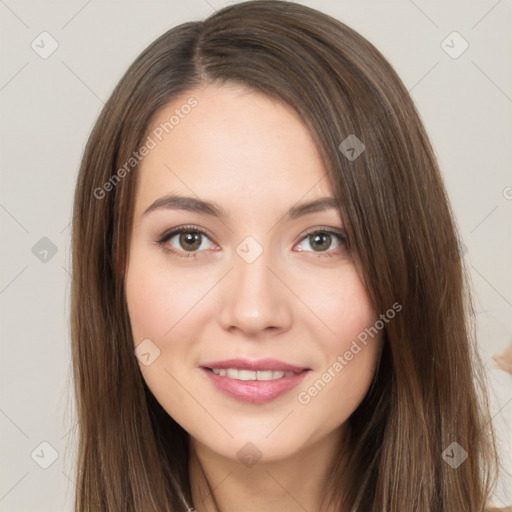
x=323, y=241
x=185, y=241
x=320, y=241
x=190, y=241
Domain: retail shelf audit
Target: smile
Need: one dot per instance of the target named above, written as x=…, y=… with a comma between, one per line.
x=234, y=373
x=255, y=382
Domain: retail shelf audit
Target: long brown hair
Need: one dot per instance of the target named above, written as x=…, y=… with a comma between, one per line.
x=427, y=392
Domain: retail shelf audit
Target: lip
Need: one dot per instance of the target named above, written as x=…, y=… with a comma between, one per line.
x=260, y=364
x=254, y=391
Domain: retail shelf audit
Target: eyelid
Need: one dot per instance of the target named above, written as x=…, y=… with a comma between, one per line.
x=169, y=233
x=325, y=229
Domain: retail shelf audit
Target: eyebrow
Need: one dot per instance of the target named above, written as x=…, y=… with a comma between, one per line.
x=192, y=204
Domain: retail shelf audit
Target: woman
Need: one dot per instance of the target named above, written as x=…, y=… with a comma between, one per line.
x=269, y=309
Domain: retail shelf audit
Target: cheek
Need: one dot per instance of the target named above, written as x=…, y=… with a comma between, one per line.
x=158, y=296
x=350, y=345
x=342, y=304
x=161, y=303
x=148, y=303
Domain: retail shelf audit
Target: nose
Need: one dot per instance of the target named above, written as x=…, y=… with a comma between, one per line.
x=255, y=298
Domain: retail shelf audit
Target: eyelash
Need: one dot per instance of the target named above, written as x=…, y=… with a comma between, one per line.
x=162, y=241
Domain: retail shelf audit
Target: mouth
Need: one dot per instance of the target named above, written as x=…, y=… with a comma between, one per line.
x=254, y=382
x=261, y=375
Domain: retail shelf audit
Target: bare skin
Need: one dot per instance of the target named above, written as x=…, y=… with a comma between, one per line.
x=300, y=300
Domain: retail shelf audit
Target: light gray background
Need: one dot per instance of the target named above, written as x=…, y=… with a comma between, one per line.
x=48, y=107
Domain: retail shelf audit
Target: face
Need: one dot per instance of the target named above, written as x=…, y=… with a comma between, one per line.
x=245, y=305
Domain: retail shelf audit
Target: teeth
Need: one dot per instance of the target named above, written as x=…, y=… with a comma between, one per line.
x=234, y=373
x=246, y=375
x=265, y=375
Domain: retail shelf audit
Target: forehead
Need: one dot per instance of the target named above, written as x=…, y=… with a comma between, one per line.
x=228, y=142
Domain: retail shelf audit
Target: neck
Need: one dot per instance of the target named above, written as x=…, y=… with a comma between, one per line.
x=300, y=482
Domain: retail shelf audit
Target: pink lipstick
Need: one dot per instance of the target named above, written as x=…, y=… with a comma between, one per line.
x=254, y=382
